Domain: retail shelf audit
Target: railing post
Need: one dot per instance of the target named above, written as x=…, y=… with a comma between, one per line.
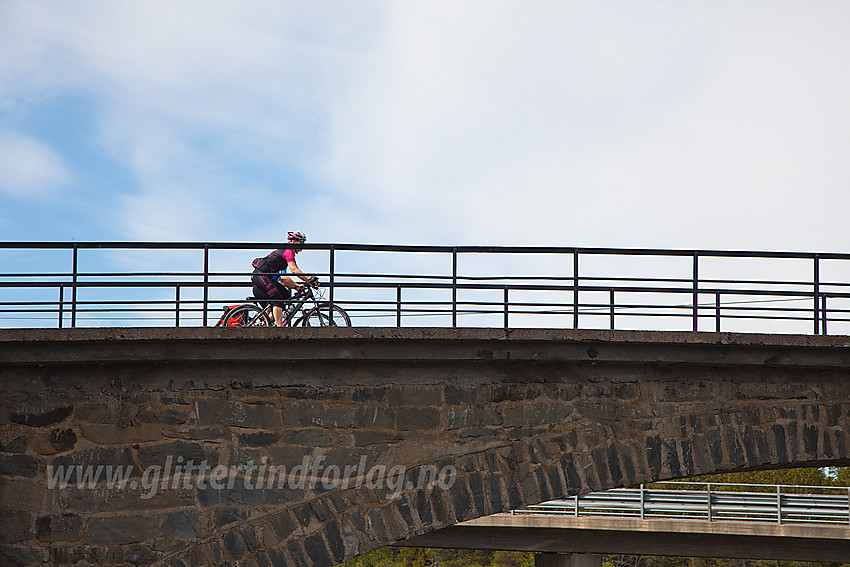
x=506, y=307
x=577, y=505
x=717, y=312
x=696, y=291
x=61, y=304
x=816, y=292
x=177, y=305
x=74, y=289
x=454, y=288
x=206, y=281
x=823, y=315
x=708, y=499
x=778, y=504
x=612, y=309
x=642, y=502
x=331, y=285
x=398, y=307
x=575, y=289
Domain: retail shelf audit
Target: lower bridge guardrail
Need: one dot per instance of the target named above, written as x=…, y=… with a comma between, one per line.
x=782, y=504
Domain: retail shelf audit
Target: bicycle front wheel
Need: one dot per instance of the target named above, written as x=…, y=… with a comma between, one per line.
x=318, y=317
x=246, y=316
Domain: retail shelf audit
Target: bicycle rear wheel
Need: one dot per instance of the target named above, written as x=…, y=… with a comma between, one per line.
x=318, y=317
x=246, y=316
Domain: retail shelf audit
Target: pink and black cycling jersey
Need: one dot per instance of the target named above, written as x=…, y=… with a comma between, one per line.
x=265, y=274
x=275, y=262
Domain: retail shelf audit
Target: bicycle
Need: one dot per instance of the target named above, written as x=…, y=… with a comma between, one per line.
x=253, y=314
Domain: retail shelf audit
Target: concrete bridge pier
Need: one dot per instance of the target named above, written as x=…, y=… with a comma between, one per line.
x=567, y=560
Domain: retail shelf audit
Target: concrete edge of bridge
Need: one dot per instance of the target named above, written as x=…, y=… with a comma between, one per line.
x=726, y=527
x=420, y=333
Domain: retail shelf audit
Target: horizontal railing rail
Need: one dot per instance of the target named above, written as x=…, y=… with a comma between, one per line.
x=103, y=284
x=709, y=502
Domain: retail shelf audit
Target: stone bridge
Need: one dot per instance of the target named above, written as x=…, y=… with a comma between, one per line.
x=306, y=447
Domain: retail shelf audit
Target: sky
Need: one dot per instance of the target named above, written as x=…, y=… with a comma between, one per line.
x=664, y=124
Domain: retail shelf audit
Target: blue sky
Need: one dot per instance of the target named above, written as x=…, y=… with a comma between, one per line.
x=663, y=124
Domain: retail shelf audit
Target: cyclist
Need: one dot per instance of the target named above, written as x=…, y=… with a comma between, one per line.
x=269, y=285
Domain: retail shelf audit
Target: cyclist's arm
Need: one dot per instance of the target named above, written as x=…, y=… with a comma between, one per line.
x=287, y=282
x=293, y=268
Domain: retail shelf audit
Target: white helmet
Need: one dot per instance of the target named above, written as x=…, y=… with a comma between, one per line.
x=296, y=236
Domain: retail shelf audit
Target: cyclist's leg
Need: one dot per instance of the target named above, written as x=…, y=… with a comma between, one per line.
x=263, y=289
x=281, y=293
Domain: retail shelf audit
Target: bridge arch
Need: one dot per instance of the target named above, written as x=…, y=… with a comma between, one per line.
x=509, y=418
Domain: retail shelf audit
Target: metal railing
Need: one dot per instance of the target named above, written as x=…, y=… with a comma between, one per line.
x=715, y=502
x=102, y=284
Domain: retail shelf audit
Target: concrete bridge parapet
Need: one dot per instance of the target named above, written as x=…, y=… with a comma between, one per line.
x=305, y=447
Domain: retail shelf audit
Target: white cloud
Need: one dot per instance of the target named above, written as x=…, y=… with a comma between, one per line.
x=29, y=167
x=669, y=125
x=189, y=98
x=484, y=122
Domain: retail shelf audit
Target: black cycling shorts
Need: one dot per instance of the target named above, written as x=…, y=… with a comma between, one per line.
x=265, y=287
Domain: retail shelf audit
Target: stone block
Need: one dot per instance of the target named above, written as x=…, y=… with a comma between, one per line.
x=360, y=395
x=309, y=437
x=15, y=555
x=79, y=461
x=149, y=494
x=733, y=447
x=233, y=544
x=715, y=446
x=108, y=434
x=62, y=527
x=376, y=526
x=240, y=494
x=202, y=434
x=417, y=419
x=117, y=530
x=811, y=437
x=177, y=453
x=63, y=439
x=423, y=508
x=110, y=412
x=181, y=524
x=225, y=515
x=406, y=511
x=260, y=439
x=336, y=543
x=166, y=416
x=141, y=555
x=11, y=442
x=22, y=493
x=19, y=465
x=40, y=417
x=654, y=456
x=367, y=437
x=317, y=551
x=15, y=525
x=672, y=458
x=374, y=417
x=296, y=552
x=237, y=414
x=414, y=396
x=250, y=538
x=283, y=524
x=317, y=414
x=457, y=395
x=461, y=501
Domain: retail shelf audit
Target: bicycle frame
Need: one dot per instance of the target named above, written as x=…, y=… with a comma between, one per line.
x=252, y=314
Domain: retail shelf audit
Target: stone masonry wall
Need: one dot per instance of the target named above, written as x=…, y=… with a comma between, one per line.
x=396, y=432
